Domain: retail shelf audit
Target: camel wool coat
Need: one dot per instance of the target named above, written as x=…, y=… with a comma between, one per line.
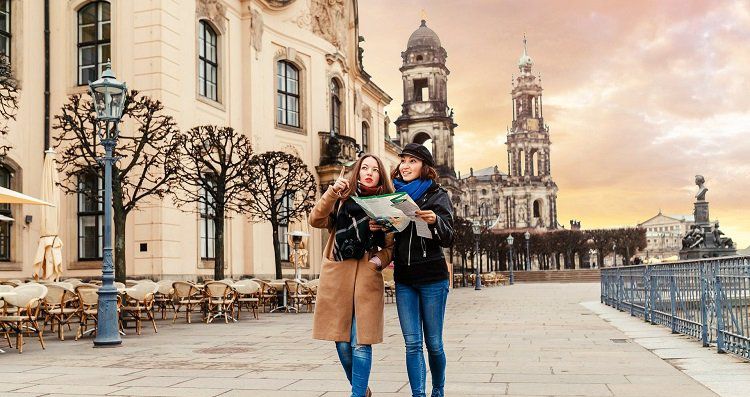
x=347, y=288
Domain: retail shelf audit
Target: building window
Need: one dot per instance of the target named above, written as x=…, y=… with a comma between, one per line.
x=537, y=209
x=5, y=211
x=207, y=225
x=365, y=138
x=208, y=66
x=5, y=27
x=94, y=43
x=421, y=90
x=335, y=106
x=90, y=216
x=286, y=205
x=287, y=94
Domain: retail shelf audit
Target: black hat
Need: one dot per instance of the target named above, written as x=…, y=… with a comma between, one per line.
x=419, y=151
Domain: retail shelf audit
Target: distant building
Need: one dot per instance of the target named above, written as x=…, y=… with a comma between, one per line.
x=525, y=197
x=664, y=234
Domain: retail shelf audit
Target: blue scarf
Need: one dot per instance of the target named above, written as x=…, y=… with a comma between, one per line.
x=415, y=189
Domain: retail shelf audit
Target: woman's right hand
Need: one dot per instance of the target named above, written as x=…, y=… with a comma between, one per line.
x=341, y=186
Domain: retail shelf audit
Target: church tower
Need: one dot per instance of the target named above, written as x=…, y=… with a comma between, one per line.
x=425, y=114
x=533, y=201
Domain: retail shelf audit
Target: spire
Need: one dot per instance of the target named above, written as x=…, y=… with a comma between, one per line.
x=524, y=44
x=424, y=18
x=525, y=63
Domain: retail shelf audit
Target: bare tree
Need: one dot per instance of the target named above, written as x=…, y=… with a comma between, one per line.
x=145, y=156
x=213, y=162
x=8, y=100
x=282, y=190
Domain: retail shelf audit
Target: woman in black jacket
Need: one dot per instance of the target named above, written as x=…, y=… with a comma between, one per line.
x=421, y=272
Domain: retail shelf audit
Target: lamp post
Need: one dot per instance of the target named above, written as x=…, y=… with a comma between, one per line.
x=614, y=254
x=108, y=95
x=509, y=240
x=527, y=237
x=297, y=240
x=477, y=229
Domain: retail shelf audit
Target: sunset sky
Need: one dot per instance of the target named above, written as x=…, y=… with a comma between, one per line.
x=639, y=96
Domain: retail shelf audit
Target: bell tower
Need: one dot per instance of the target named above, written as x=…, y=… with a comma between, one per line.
x=425, y=114
x=529, y=153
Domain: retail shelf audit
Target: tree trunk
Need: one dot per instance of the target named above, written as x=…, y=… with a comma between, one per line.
x=219, y=243
x=276, y=251
x=119, y=218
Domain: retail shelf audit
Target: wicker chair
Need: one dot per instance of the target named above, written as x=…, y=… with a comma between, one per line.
x=268, y=294
x=164, y=296
x=88, y=305
x=187, y=295
x=139, y=304
x=297, y=295
x=219, y=297
x=59, y=307
x=20, y=312
x=247, y=294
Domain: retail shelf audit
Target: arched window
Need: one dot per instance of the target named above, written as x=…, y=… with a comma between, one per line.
x=365, y=138
x=335, y=106
x=287, y=94
x=207, y=226
x=208, y=64
x=5, y=211
x=94, y=43
x=5, y=27
x=90, y=216
x=537, y=208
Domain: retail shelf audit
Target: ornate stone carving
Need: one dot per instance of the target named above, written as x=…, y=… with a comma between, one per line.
x=327, y=19
x=366, y=112
x=358, y=102
x=277, y=4
x=256, y=31
x=214, y=11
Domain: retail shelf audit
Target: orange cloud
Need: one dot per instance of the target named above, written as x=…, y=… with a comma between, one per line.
x=639, y=96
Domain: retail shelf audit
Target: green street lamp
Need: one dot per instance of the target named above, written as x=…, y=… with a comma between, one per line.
x=108, y=95
x=477, y=229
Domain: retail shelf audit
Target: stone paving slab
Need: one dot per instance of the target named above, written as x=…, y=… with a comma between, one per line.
x=522, y=340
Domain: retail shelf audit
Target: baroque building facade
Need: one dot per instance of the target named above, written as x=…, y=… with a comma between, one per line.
x=664, y=235
x=287, y=73
x=526, y=196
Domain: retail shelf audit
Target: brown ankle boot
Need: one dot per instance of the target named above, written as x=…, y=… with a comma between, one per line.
x=369, y=392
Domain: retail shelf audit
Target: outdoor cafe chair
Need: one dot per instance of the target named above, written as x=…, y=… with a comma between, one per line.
x=219, y=298
x=59, y=307
x=139, y=302
x=88, y=305
x=247, y=294
x=164, y=296
x=27, y=303
x=186, y=295
x=297, y=295
x=268, y=294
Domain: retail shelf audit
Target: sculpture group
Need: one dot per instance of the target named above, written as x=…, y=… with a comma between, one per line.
x=704, y=240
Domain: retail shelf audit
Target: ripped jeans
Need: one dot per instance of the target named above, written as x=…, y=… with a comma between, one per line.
x=357, y=362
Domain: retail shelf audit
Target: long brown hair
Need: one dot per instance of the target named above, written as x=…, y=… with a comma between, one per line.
x=427, y=172
x=384, y=182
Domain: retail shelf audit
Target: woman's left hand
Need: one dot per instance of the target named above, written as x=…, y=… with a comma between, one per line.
x=427, y=216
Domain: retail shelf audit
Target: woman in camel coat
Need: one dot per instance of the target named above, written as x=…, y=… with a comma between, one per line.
x=349, y=308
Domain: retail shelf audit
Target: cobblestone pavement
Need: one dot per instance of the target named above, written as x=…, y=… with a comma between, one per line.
x=526, y=339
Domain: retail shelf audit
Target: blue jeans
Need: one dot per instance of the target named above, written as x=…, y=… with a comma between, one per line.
x=357, y=362
x=422, y=308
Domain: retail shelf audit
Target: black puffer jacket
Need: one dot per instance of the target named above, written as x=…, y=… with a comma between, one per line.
x=420, y=260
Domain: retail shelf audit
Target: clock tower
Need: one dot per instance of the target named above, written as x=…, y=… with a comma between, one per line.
x=425, y=115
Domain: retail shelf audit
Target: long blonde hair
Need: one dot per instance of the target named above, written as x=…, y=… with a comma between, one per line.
x=384, y=182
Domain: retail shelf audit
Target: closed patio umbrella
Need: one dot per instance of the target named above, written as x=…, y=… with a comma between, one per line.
x=48, y=258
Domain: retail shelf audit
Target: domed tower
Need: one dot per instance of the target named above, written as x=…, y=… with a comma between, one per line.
x=533, y=202
x=425, y=114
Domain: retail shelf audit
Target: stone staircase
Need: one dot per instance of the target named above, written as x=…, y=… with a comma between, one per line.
x=556, y=276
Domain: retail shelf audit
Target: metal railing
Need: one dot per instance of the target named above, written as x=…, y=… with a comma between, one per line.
x=708, y=299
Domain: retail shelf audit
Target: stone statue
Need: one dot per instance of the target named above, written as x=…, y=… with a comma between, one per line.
x=328, y=21
x=721, y=242
x=699, y=180
x=214, y=10
x=698, y=236
x=256, y=31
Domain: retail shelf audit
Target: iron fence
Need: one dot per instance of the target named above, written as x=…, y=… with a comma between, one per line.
x=708, y=299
